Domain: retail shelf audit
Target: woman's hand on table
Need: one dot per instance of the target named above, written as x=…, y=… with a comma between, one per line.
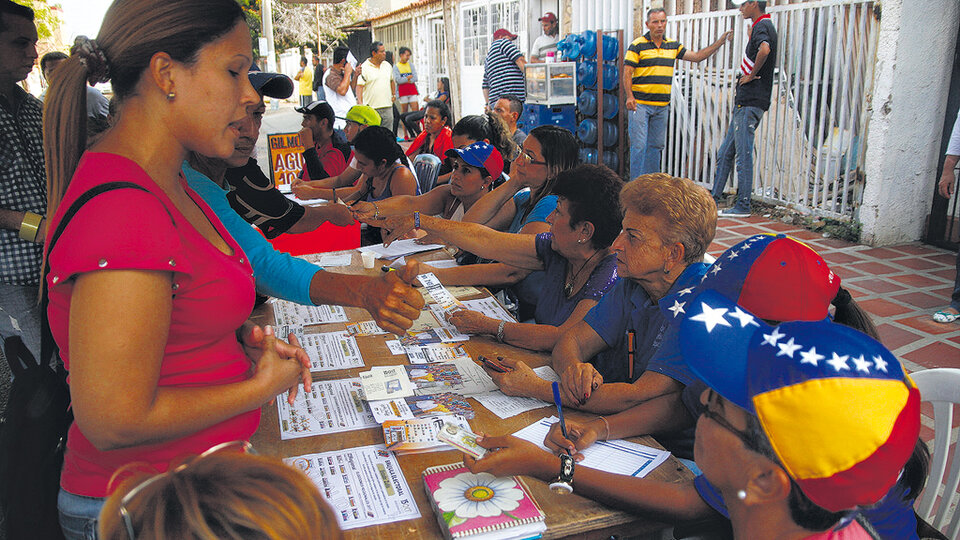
x=300, y=189
x=508, y=455
x=281, y=371
x=392, y=300
x=520, y=380
x=580, y=435
x=473, y=322
x=578, y=381
x=392, y=227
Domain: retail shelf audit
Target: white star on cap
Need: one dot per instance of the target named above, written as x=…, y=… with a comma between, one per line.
x=862, y=365
x=744, y=317
x=811, y=356
x=688, y=290
x=772, y=339
x=711, y=317
x=715, y=269
x=839, y=362
x=880, y=363
x=677, y=308
x=788, y=348
x=732, y=255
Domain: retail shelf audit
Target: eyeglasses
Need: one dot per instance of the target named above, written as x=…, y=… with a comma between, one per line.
x=240, y=446
x=528, y=156
x=744, y=436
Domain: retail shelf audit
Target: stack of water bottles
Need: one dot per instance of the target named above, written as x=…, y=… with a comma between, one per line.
x=582, y=48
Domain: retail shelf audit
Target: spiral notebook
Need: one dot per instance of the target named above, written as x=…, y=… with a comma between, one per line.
x=482, y=506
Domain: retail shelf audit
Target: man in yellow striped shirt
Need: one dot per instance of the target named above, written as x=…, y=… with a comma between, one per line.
x=649, y=74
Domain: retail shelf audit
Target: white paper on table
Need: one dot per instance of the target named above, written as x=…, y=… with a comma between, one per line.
x=283, y=331
x=505, y=406
x=617, y=456
x=286, y=312
x=446, y=301
x=490, y=307
x=395, y=346
x=330, y=407
x=386, y=382
x=461, y=376
x=364, y=485
x=365, y=328
x=331, y=350
x=390, y=409
x=435, y=352
x=443, y=263
x=304, y=202
x=333, y=260
x=399, y=248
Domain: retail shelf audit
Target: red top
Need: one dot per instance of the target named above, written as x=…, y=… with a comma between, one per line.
x=443, y=142
x=213, y=293
x=331, y=159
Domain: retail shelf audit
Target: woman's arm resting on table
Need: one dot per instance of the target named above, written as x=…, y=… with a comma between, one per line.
x=537, y=337
x=429, y=203
x=675, y=502
x=616, y=397
x=119, y=324
x=514, y=249
x=569, y=359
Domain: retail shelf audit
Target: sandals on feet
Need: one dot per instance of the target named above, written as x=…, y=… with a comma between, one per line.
x=944, y=316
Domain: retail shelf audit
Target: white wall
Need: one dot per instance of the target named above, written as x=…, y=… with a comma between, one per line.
x=915, y=52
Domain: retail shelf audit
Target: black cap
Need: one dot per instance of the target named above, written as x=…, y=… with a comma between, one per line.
x=273, y=85
x=320, y=109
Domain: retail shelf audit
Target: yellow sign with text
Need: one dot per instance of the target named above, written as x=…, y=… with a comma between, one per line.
x=286, y=157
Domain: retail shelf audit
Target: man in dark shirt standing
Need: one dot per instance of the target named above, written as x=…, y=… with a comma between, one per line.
x=755, y=83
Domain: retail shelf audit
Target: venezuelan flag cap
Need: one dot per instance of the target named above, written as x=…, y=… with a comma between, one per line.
x=837, y=407
x=775, y=277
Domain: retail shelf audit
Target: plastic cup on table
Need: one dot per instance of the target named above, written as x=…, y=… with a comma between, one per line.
x=368, y=259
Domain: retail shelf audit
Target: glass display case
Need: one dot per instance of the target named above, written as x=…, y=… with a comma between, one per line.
x=552, y=83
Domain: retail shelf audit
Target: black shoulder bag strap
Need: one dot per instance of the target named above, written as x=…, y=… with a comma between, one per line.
x=48, y=346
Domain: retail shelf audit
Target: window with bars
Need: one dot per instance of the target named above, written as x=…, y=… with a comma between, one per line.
x=395, y=36
x=480, y=20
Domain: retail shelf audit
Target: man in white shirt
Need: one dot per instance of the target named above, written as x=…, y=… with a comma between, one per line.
x=375, y=85
x=336, y=82
x=548, y=41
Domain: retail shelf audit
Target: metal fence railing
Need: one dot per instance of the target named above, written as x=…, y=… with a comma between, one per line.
x=811, y=143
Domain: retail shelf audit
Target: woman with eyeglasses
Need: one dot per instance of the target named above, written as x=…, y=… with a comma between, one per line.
x=222, y=493
x=147, y=290
x=575, y=255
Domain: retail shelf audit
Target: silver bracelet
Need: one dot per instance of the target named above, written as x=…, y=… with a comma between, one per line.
x=377, y=214
x=500, y=331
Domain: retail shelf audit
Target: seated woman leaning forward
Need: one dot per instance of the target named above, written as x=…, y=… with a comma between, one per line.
x=575, y=255
x=474, y=169
x=778, y=437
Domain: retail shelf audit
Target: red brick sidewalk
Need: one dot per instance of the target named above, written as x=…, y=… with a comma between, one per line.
x=900, y=286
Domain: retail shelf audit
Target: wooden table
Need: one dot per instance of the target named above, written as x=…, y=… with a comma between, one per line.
x=567, y=515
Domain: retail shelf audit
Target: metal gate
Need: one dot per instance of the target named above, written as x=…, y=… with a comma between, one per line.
x=810, y=144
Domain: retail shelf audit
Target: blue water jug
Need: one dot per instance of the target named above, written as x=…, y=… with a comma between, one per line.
x=569, y=46
x=587, y=102
x=587, y=131
x=610, y=47
x=610, y=106
x=610, y=77
x=610, y=133
x=611, y=159
x=588, y=155
x=588, y=45
x=587, y=74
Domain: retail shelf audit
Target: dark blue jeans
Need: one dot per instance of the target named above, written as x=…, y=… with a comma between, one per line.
x=738, y=143
x=79, y=515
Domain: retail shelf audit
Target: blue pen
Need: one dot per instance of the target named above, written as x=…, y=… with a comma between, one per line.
x=556, y=399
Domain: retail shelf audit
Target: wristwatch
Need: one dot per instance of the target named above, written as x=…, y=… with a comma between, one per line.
x=564, y=482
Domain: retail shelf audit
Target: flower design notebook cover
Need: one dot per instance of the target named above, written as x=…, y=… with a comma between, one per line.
x=469, y=504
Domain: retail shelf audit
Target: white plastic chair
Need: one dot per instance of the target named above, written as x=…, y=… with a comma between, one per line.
x=941, y=387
